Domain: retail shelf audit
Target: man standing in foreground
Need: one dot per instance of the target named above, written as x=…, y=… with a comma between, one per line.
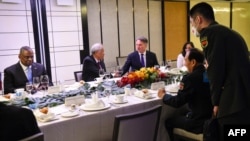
x=228, y=67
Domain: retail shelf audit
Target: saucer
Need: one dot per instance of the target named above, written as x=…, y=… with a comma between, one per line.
x=83, y=107
x=118, y=102
x=70, y=114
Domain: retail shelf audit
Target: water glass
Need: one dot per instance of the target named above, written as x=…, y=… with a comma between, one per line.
x=36, y=82
x=101, y=73
x=29, y=87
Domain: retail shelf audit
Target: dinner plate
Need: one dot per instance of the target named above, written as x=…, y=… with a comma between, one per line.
x=175, y=71
x=47, y=120
x=118, y=102
x=83, y=107
x=70, y=114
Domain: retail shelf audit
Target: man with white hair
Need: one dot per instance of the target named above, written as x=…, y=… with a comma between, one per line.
x=93, y=63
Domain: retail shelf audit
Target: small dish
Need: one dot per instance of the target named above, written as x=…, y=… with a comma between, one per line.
x=118, y=102
x=70, y=114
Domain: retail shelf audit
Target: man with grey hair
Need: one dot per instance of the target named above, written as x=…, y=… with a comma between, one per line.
x=93, y=63
x=17, y=75
x=141, y=57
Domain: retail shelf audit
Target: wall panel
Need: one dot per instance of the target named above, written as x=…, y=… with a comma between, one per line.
x=155, y=28
x=175, y=28
x=141, y=18
x=109, y=31
x=126, y=27
x=241, y=20
x=94, y=26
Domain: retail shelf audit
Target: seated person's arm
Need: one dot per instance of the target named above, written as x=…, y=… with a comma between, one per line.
x=8, y=82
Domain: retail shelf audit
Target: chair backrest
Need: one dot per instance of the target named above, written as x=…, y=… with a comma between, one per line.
x=36, y=137
x=121, y=60
x=138, y=126
x=78, y=76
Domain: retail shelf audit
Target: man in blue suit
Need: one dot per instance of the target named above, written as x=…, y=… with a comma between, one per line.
x=141, y=57
x=17, y=75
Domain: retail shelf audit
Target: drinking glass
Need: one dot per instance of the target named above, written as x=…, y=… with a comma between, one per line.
x=36, y=82
x=28, y=87
x=44, y=79
x=107, y=93
x=168, y=64
x=101, y=73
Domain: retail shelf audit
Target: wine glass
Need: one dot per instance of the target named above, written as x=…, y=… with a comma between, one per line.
x=108, y=93
x=168, y=64
x=36, y=82
x=101, y=73
x=44, y=79
x=28, y=87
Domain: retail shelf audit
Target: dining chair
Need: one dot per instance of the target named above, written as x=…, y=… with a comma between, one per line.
x=186, y=135
x=137, y=126
x=121, y=60
x=36, y=137
x=78, y=76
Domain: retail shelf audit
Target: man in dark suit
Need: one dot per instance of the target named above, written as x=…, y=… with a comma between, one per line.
x=140, y=58
x=194, y=90
x=228, y=66
x=93, y=63
x=17, y=75
x=16, y=123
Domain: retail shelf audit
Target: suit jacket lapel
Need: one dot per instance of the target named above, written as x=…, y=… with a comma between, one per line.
x=21, y=72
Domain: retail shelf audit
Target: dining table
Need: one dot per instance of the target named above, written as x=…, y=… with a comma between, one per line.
x=98, y=125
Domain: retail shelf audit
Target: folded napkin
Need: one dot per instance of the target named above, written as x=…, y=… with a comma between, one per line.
x=44, y=117
x=95, y=104
x=143, y=95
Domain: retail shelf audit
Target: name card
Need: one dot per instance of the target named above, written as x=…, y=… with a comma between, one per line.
x=77, y=100
x=157, y=85
x=53, y=89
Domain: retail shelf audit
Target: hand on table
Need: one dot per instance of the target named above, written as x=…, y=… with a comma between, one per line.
x=161, y=92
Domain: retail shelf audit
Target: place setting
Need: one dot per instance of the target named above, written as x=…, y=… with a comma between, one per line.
x=44, y=114
x=72, y=112
x=95, y=103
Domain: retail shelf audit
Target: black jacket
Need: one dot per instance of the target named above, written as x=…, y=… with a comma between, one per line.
x=14, y=76
x=195, y=93
x=16, y=123
x=229, y=67
x=90, y=69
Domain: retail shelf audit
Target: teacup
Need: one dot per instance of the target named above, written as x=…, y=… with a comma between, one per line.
x=99, y=79
x=120, y=98
x=19, y=93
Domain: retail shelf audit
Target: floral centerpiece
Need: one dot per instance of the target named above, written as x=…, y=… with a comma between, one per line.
x=142, y=78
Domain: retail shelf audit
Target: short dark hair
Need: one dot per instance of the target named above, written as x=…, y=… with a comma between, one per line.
x=204, y=9
x=183, y=52
x=23, y=48
x=197, y=55
x=143, y=39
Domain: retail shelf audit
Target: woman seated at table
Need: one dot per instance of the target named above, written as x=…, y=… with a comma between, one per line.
x=194, y=90
x=93, y=63
x=180, y=58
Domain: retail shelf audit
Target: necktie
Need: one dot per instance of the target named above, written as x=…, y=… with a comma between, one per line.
x=29, y=74
x=99, y=64
x=142, y=60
